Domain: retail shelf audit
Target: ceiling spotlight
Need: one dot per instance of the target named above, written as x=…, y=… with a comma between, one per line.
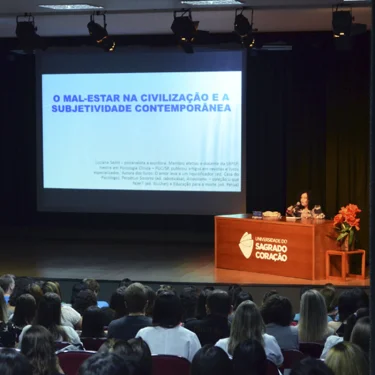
x=26, y=33
x=100, y=34
x=185, y=29
x=244, y=28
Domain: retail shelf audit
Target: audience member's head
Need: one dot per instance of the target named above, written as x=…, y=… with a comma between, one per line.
x=241, y=297
x=202, y=301
x=120, y=347
x=165, y=288
x=361, y=334
x=247, y=324
x=105, y=364
x=135, y=298
x=3, y=307
x=311, y=366
x=313, y=325
x=117, y=302
x=124, y=283
x=39, y=347
x=109, y=315
x=21, y=287
x=77, y=287
x=346, y=358
x=93, y=321
x=25, y=310
x=189, y=300
x=330, y=297
x=36, y=291
x=211, y=360
x=167, y=310
x=249, y=357
x=14, y=363
x=151, y=296
x=269, y=294
x=351, y=322
x=233, y=291
x=141, y=355
x=48, y=315
x=7, y=283
x=304, y=289
x=93, y=285
x=277, y=310
x=84, y=299
x=51, y=287
x=218, y=303
x=350, y=301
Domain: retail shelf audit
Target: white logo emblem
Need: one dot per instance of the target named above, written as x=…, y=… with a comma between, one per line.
x=246, y=245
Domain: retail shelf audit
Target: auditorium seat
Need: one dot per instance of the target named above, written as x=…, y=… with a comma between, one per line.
x=70, y=362
x=94, y=344
x=311, y=349
x=272, y=368
x=291, y=357
x=61, y=345
x=170, y=365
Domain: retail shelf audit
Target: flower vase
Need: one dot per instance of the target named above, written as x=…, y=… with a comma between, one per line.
x=344, y=245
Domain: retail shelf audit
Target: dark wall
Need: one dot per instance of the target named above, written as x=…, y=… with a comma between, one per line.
x=307, y=128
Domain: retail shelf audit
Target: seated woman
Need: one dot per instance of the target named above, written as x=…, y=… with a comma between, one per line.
x=313, y=324
x=49, y=316
x=24, y=313
x=39, y=348
x=8, y=333
x=13, y=362
x=277, y=314
x=249, y=354
x=167, y=336
x=211, y=360
x=248, y=324
x=93, y=322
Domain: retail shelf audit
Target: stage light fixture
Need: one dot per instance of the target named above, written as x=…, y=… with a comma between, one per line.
x=26, y=33
x=185, y=29
x=244, y=28
x=100, y=34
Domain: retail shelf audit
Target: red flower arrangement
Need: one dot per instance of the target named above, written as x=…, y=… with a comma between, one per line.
x=346, y=223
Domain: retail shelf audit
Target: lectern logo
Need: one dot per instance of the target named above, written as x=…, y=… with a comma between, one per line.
x=246, y=245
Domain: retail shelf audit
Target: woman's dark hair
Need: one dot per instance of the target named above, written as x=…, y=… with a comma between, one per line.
x=350, y=301
x=77, y=287
x=278, y=310
x=39, y=347
x=189, y=300
x=125, y=283
x=167, y=310
x=234, y=290
x=25, y=310
x=119, y=347
x=269, y=294
x=151, y=296
x=361, y=334
x=21, y=286
x=202, y=299
x=311, y=366
x=36, y=291
x=85, y=299
x=351, y=322
x=249, y=358
x=109, y=315
x=329, y=294
x=93, y=321
x=51, y=287
x=241, y=297
x=211, y=360
x=49, y=316
x=14, y=363
x=92, y=284
x=117, y=302
x=141, y=355
x=105, y=364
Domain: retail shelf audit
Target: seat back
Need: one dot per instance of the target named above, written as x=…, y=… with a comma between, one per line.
x=90, y=343
x=311, y=349
x=170, y=365
x=272, y=368
x=61, y=345
x=291, y=357
x=70, y=362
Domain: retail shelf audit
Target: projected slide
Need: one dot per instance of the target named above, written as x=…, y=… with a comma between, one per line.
x=177, y=131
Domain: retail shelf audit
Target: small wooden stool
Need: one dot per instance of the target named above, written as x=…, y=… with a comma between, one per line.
x=345, y=264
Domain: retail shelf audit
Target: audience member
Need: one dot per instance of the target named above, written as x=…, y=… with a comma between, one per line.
x=233, y=291
x=241, y=297
x=249, y=358
x=202, y=301
x=151, y=296
x=125, y=328
x=109, y=315
x=36, y=291
x=14, y=363
x=7, y=283
x=24, y=312
x=8, y=333
x=277, y=314
x=120, y=347
x=93, y=322
x=313, y=324
x=76, y=288
x=93, y=285
x=49, y=316
x=105, y=364
x=167, y=336
x=117, y=303
x=248, y=324
x=302, y=291
x=84, y=299
x=346, y=358
x=211, y=360
x=311, y=366
x=39, y=347
x=125, y=283
x=361, y=334
x=330, y=298
x=269, y=294
x=165, y=288
x=189, y=301
x=141, y=355
x=20, y=287
x=215, y=325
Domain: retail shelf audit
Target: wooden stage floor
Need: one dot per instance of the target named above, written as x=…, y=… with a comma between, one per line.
x=115, y=260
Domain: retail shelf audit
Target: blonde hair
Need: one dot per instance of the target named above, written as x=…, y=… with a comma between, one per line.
x=313, y=323
x=247, y=324
x=347, y=358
